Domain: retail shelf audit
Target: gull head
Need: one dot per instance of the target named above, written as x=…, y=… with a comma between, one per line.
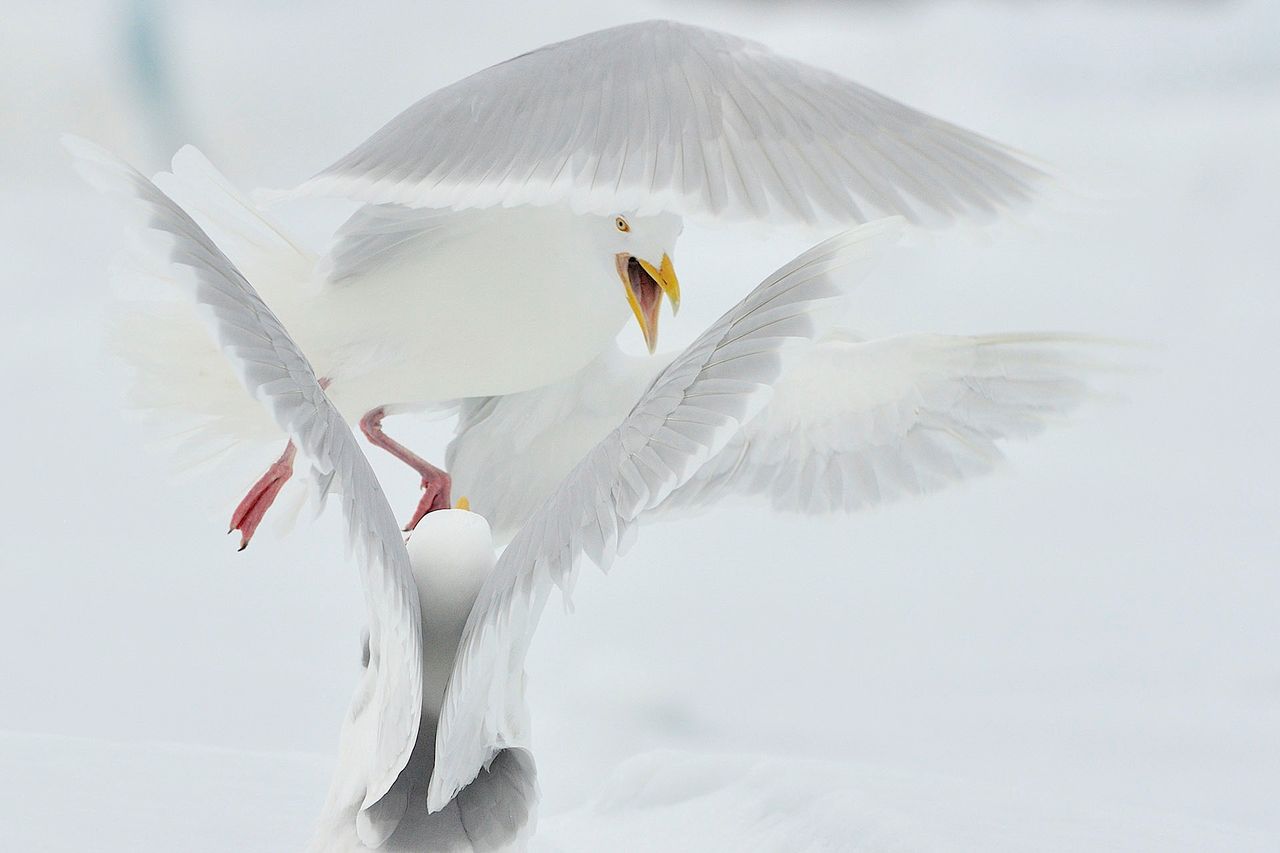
x=640, y=248
x=451, y=552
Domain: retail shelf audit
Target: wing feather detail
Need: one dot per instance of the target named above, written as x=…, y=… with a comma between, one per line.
x=856, y=423
x=666, y=117
x=276, y=373
x=687, y=416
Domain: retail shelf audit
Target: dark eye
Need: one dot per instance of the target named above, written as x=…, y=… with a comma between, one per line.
x=622, y=224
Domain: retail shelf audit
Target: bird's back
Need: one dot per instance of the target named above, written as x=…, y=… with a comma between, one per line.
x=510, y=452
x=452, y=554
x=496, y=812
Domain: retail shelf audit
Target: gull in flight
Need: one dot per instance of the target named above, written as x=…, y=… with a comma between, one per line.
x=434, y=753
x=513, y=222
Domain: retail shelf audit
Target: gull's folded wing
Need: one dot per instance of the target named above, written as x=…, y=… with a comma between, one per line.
x=378, y=235
x=660, y=116
x=688, y=414
x=276, y=373
x=857, y=423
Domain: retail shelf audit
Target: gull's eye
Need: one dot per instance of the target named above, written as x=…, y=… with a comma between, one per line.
x=622, y=225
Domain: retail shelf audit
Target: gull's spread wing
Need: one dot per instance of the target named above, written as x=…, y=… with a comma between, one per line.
x=856, y=423
x=276, y=373
x=660, y=116
x=688, y=414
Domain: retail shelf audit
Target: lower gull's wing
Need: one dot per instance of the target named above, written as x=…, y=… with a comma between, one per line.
x=688, y=414
x=858, y=423
x=275, y=372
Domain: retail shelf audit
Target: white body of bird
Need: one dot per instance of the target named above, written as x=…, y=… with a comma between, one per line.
x=412, y=308
x=510, y=452
x=451, y=556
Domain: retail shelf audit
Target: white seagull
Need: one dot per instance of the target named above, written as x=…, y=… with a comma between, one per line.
x=516, y=219
x=434, y=754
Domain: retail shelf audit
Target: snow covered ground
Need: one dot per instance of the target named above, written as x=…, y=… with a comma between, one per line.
x=1078, y=653
x=93, y=795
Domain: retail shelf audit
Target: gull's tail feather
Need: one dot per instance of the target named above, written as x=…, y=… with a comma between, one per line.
x=497, y=811
x=179, y=381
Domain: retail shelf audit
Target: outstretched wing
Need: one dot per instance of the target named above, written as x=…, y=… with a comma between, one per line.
x=275, y=372
x=660, y=116
x=688, y=414
x=857, y=423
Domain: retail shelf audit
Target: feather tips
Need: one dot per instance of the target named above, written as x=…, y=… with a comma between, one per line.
x=274, y=371
x=659, y=116
x=688, y=414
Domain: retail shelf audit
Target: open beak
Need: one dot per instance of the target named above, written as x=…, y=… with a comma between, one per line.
x=645, y=284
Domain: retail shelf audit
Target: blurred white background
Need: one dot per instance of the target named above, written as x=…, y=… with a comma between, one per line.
x=1095, y=627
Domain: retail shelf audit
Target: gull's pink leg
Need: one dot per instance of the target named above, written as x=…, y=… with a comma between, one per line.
x=435, y=482
x=249, y=512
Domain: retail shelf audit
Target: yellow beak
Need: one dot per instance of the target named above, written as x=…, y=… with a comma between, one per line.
x=644, y=285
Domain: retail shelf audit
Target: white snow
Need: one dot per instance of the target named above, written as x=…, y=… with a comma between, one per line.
x=1079, y=652
x=94, y=795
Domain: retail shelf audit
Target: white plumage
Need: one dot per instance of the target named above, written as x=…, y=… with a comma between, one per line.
x=852, y=423
x=275, y=372
x=691, y=411
x=513, y=287
x=435, y=750
x=837, y=424
x=481, y=296
x=463, y=304
x=517, y=218
x=451, y=553
x=769, y=400
x=660, y=116
x=416, y=599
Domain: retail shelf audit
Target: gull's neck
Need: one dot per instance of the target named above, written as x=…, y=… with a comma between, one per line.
x=452, y=554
